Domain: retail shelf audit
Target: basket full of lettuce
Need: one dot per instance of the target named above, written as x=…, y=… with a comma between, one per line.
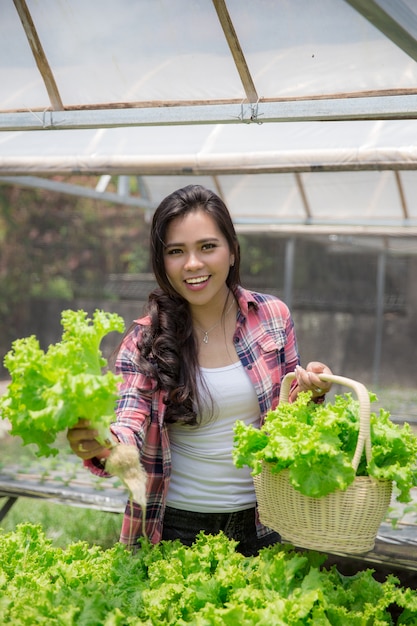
x=324, y=473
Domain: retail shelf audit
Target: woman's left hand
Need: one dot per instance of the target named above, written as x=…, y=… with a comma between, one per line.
x=308, y=378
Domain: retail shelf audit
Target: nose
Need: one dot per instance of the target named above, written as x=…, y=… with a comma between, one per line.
x=192, y=262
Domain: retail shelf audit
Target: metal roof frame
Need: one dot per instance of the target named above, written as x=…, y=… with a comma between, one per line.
x=380, y=20
x=395, y=20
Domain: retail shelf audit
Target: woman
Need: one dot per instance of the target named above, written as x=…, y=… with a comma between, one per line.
x=207, y=353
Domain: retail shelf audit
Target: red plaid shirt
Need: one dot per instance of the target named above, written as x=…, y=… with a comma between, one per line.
x=266, y=345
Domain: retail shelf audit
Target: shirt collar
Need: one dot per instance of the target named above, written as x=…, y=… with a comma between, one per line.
x=245, y=300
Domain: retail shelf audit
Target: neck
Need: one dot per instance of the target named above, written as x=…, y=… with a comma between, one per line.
x=213, y=322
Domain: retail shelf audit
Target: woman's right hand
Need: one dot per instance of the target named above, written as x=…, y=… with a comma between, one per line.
x=83, y=442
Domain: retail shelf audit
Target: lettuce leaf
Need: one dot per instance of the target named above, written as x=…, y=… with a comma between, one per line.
x=49, y=391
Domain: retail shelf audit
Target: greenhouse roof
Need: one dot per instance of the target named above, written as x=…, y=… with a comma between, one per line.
x=302, y=115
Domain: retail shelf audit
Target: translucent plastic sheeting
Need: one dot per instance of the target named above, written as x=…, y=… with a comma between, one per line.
x=127, y=51
x=304, y=48
x=256, y=147
x=339, y=174
x=115, y=58
x=335, y=199
x=103, y=52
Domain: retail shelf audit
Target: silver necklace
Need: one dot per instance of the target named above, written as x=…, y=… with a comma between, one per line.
x=206, y=332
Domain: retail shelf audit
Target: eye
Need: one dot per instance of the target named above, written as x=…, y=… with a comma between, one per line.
x=173, y=251
x=208, y=246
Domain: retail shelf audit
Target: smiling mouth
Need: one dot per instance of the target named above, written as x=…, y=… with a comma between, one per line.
x=197, y=281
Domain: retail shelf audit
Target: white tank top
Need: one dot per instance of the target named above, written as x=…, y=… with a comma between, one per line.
x=204, y=478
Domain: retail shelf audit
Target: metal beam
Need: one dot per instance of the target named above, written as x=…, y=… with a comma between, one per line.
x=205, y=164
x=76, y=190
x=394, y=19
x=236, y=50
x=340, y=228
x=401, y=193
x=301, y=189
x=355, y=222
x=217, y=186
x=325, y=109
x=39, y=54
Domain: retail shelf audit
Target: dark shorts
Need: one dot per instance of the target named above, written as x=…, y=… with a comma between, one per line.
x=240, y=526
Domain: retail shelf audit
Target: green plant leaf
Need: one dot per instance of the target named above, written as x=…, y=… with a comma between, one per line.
x=49, y=391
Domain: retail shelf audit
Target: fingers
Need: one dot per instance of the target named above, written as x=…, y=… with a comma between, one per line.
x=318, y=367
x=309, y=380
x=303, y=378
x=315, y=368
x=82, y=423
x=82, y=440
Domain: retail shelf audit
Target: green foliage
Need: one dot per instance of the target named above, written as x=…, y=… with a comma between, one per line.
x=57, y=287
x=65, y=524
x=260, y=256
x=50, y=391
x=206, y=584
x=317, y=442
x=60, y=246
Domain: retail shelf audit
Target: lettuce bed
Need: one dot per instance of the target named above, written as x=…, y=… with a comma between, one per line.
x=208, y=584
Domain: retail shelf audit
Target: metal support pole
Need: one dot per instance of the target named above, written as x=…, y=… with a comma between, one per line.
x=7, y=506
x=289, y=271
x=379, y=312
x=123, y=185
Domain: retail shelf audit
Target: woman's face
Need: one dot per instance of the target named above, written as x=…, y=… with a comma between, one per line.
x=197, y=259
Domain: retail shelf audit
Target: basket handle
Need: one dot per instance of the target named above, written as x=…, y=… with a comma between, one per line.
x=364, y=437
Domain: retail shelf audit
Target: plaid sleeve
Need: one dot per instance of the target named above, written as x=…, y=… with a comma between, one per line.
x=134, y=403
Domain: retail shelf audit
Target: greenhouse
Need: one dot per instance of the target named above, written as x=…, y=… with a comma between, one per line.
x=300, y=115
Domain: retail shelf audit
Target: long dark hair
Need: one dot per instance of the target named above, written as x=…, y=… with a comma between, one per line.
x=168, y=352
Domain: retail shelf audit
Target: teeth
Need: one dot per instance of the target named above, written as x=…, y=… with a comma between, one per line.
x=196, y=281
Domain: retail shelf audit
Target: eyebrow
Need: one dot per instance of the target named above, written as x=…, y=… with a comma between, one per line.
x=200, y=241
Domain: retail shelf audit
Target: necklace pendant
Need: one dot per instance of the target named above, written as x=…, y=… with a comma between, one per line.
x=206, y=332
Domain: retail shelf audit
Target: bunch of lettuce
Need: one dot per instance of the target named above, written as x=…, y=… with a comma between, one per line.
x=209, y=583
x=50, y=391
x=317, y=442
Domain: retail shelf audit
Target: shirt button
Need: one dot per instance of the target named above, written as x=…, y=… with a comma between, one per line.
x=236, y=339
x=249, y=367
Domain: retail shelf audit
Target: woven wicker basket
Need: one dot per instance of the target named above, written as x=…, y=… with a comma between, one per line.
x=343, y=521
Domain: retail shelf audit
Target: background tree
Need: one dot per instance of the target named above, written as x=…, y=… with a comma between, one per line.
x=59, y=246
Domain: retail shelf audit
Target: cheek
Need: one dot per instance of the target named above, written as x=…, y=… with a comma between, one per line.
x=171, y=277
x=167, y=262
x=170, y=268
